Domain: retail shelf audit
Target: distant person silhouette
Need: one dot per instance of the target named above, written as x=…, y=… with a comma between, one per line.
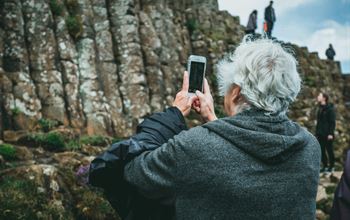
x=330, y=53
x=252, y=23
x=270, y=18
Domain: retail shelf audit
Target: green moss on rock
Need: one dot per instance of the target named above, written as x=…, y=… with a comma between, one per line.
x=95, y=140
x=7, y=151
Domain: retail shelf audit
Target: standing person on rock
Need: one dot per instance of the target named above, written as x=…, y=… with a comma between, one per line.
x=270, y=18
x=325, y=131
x=330, y=53
x=252, y=23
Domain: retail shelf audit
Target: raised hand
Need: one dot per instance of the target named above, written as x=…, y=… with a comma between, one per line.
x=205, y=104
x=183, y=101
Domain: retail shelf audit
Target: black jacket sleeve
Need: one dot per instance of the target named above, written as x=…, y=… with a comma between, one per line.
x=107, y=170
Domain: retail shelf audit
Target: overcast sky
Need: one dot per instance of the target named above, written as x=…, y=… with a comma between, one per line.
x=311, y=23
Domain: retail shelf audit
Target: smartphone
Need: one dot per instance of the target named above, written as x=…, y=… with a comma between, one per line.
x=196, y=68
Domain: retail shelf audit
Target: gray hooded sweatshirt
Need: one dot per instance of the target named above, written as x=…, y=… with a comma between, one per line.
x=250, y=166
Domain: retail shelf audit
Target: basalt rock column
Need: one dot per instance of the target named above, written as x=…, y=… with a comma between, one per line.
x=131, y=71
x=20, y=103
x=41, y=45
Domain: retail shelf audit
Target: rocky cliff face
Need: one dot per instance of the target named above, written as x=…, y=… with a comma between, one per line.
x=98, y=68
x=101, y=66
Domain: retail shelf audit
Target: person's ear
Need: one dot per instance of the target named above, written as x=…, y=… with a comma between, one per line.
x=235, y=94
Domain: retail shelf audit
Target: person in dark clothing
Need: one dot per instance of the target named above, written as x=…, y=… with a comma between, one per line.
x=341, y=202
x=270, y=18
x=330, y=53
x=106, y=170
x=325, y=131
x=252, y=23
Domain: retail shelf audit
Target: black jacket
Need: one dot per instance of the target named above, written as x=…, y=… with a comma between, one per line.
x=325, y=120
x=270, y=14
x=341, y=202
x=106, y=170
x=330, y=53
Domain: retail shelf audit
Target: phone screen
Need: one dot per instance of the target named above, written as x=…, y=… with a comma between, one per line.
x=196, y=76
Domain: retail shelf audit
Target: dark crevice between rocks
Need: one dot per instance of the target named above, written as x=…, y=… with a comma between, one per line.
x=140, y=4
x=72, y=10
x=2, y=107
x=143, y=55
x=59, y=67
x=116, y=54
x=3, y=114
x=80, y=96
x=2, y=4
x=108, y=122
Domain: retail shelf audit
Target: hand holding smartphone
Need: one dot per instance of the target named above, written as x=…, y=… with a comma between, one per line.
x=196, y=66
x=204, y=105
x=194, y=81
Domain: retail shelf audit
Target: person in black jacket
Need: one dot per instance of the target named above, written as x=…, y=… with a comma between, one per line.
x=341, y=201
x=270, y=18
x=325, y=131
x=330, y=53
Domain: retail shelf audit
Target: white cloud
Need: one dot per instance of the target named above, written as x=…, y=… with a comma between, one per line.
x=283, y=6
x=240, y=8
x=334, y=33
x=316, y=35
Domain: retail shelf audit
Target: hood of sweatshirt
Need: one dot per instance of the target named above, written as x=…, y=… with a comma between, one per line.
x=271, y=139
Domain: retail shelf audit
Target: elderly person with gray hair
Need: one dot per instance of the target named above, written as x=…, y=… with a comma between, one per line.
x=253, y=164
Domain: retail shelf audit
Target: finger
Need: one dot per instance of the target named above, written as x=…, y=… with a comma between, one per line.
x=192, y=99
x=206, y=87
x=185, y=83
x=202, y=98
x=196, y=108
x=196, y=103
x=200, y=95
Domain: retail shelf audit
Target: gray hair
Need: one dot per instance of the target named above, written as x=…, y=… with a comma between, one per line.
x=265, y=71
